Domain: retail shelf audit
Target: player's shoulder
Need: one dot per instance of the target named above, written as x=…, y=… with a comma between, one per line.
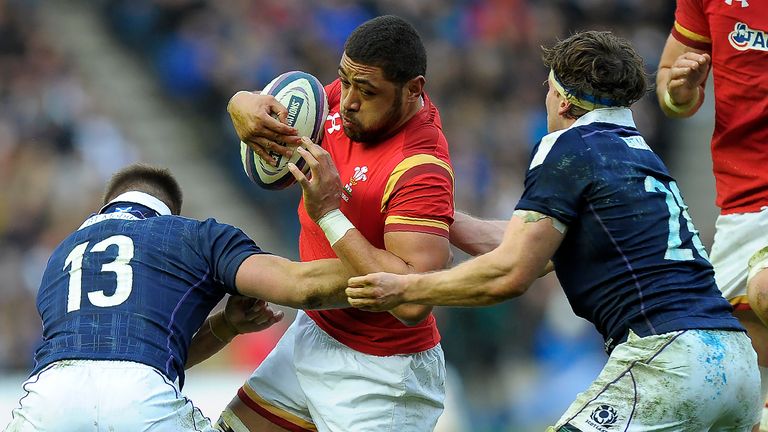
x=171, y=223
x=424, y=138
x=557, y=145
x=215, y=224
x=187, y=229
x=423, y=135
x=425, y=146
x=593, y=131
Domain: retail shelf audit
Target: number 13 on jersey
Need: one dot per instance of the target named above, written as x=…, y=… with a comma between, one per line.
x=120, y=266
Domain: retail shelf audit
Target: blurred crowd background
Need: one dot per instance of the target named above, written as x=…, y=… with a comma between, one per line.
x=517, y=365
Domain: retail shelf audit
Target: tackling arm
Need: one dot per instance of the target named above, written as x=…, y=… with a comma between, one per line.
x=262, y=278
x=302, y=285
x=503, y=273
x=476, y=236
x=406, y=252
x=205, y=344
x=240, y=315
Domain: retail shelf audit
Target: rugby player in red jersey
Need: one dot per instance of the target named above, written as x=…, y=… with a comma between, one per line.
x=730, y=37
x=380, y=198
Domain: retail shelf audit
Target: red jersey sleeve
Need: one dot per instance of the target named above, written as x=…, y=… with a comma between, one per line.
x=691, y=25
x=419, y=196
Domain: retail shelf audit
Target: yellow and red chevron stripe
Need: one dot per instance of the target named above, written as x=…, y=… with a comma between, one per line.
x=411, y=167
x=276, y=415
x=404, y=223
x=740, y=303
x=691, y=38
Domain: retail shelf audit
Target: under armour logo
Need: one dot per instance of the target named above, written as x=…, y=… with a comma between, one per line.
x=743, y=3
x=334, y=126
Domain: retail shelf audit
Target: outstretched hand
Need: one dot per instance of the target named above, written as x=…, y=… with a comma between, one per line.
x=688, y=72
x=376, y=292
x=322, y=190
x=248, y=315
x=260, y=122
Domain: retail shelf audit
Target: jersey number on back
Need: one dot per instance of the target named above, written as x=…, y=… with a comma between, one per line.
x=676, y=206
x=119, y=266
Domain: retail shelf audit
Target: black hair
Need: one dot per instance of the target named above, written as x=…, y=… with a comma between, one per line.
x=390, y=43
x=155, y=181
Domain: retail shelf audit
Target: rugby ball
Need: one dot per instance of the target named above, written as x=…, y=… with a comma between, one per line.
x=304, y=97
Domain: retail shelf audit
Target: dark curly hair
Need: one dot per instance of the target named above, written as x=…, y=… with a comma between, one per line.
x=158, y=182
x=390, y=43
x=600, y=65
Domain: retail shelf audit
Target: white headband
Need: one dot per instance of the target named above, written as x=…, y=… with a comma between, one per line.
x=142, y=198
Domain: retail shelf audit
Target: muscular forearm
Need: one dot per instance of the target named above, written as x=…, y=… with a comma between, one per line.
x=363, y=258
x=529, y=242
x=476, y=236
x=321, y=284
x=302, y=285
x=482, y=281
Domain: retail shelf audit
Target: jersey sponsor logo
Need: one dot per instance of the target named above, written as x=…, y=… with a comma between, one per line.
x=358, y=176
x=335, y=126
x=744, y=38
x=603, y=418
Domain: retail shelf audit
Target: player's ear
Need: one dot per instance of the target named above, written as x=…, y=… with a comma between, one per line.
x=564, y=107
x=414, y=88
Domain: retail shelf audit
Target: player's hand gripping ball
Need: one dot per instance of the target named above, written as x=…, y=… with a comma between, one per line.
x=304, y=97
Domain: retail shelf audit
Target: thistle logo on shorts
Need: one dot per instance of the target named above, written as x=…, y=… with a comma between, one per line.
x=604, y=416
x=744, y=38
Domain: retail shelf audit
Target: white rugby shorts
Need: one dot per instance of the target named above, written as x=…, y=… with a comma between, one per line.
x=101, y=395
x=738, y=237
x=683, y=381
x=312, y=382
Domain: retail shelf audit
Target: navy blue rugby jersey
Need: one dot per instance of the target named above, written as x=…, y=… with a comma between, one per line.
x=135, y=283
x=631, y=258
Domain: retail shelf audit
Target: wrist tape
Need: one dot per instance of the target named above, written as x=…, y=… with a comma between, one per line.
x=681, y=109
x=334, y=224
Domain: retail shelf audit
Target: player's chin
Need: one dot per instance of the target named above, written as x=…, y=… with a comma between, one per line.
x=353, y=132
